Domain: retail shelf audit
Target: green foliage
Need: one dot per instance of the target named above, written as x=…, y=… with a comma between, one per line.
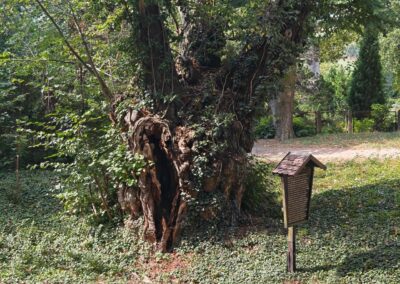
x=91, y=158
x=321, y=97
x=27, y=77
x=363, y=125
x=366, y=85
x=264, y=128
x=326, y=94
x=313, y=93
x=210, y=129
x=303, y=127
x=82, y=145
x=325, y=97
x=334, y=126
x=381, y=119
x=262, y=190
x=40, y=244
x=19, y=100
x=334, y=46
x=339, y=77
x=49, y=100
x=352, y=236
x=390, y=54
x=381, y=116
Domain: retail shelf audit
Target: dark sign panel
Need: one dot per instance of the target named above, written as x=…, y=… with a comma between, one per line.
x=297, y=172
x=296, y=194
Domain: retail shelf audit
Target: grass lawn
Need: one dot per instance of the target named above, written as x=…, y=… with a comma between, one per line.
x=370, y=140
x=353, y=236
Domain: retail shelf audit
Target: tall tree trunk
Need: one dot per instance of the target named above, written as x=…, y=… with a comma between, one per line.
x=197, y=145
x=180, y=168
x=283, y=106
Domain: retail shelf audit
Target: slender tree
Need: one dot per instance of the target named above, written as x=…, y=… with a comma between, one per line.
x=366, y=85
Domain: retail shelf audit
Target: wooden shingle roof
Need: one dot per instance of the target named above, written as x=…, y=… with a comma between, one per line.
x=292, y=164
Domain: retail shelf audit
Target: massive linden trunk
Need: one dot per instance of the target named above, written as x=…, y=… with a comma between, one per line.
x=197, y=143
x=168, y=180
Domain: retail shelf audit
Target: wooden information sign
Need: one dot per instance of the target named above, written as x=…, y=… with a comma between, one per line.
x=297, y=172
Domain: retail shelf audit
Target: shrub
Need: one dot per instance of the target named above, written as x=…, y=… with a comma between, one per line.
x=265, y=128
x=303, y=127
x=333, y=127
x=261, y=197
x=380, y=116
x=101, y=163
x=363, y=125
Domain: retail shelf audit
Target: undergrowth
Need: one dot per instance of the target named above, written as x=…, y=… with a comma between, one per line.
x=353, y=236
x=39, y=242
x=262, y=195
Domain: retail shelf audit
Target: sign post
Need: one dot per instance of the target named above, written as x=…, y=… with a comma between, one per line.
x=296, y=172
x=291, y=254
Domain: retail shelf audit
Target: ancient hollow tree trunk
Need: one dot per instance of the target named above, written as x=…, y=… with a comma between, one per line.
x=197, y=144
x=191, y=109
x=169, y=143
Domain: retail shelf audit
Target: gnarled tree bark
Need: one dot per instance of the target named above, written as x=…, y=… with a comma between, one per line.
x=171, y=142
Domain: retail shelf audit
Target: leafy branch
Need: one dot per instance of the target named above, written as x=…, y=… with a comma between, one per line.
x=91, y=66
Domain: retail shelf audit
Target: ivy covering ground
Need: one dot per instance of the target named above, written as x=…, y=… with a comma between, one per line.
x=353, y=236
x=39, y=242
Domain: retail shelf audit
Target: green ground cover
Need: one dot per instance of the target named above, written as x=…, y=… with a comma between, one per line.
x=38, y=242
x=353, y=236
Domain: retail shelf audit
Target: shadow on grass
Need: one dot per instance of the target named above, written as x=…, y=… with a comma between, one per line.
x=365, y=220
x=369, y=205
x=351, y=230
x=384, y=257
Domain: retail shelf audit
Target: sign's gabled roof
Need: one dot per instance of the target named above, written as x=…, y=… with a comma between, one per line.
x=292, y=164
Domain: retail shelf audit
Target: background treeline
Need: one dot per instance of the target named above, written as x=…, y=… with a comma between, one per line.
x=348, y=71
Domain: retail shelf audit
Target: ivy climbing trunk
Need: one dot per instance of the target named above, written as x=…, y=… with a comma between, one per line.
x=197, y=144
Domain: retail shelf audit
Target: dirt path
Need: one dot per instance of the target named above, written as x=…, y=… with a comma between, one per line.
x=275, y=151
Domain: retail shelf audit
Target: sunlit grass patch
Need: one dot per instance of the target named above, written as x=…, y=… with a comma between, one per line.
x=370, y=139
